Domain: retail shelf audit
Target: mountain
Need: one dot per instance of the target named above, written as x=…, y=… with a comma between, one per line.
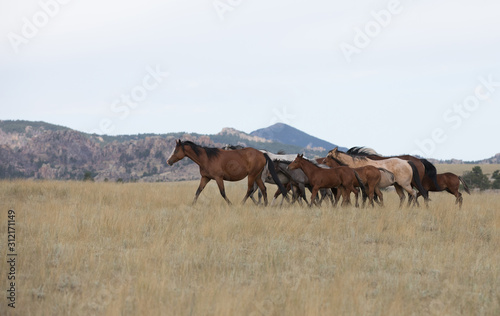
x=289, y=135
x=40, y=150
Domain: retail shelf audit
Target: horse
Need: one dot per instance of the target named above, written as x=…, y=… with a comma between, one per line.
x=294, y=180
x=370, y=176
x=425, y=168
x=339, y=177
x=267, y=177
x=230, y=165
x=404, y=171
x=300, y=181
x=285, y=179
x=447, y=181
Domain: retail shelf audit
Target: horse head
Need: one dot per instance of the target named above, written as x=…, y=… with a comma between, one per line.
x=296, y=162
x=333, y=152
x=177, y=154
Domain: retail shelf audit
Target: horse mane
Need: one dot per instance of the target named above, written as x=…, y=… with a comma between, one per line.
x=290, y=161
x=210, y=151
x=362, y=151
x=317, y=164
x=353, y=155
x=337, y=161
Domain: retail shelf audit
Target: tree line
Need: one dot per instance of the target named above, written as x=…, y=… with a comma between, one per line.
x=476, y=179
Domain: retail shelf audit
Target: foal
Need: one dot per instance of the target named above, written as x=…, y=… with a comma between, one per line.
x=369, y=175
x=339, y=177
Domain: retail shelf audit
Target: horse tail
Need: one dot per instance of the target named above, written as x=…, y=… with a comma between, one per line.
x=416, y=178
x=274, y=174
x=431, y=172
x=361, y=184
x=466, y=187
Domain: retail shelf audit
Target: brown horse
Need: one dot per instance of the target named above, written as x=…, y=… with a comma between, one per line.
x=229, y=165
x=339, y=177
x=368, y=174
x=447, y=181
x=404, y=171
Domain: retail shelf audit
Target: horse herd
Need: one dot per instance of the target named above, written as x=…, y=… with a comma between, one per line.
x=337, y=175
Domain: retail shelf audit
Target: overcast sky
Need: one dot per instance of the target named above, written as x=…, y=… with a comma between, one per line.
x=398, y=76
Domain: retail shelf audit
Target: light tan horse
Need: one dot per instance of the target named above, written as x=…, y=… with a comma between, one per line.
x=404, y=171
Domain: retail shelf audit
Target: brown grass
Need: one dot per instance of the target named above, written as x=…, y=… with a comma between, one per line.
x=142, y=249
x=459, y=169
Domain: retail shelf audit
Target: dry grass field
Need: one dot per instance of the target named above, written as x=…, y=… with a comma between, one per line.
x=459, y=169
x=142, y=249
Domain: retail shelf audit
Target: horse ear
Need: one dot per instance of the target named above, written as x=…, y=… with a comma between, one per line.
x=335, y=149
x=178, y=142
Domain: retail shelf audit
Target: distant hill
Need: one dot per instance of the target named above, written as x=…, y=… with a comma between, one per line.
x=289, y=135
x=40, y=150
x=19, y=126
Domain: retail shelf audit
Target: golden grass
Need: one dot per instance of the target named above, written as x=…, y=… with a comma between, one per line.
x=142, y=249
x=459, y=169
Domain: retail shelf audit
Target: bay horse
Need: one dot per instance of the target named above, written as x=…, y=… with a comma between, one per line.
x=447, y=181
x=370, y=176
x=229, y=165
x=425, y=168
x=404, y=171
x=339, y=177
x=299, y=182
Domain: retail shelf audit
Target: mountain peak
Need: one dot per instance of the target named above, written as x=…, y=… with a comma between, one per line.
x=287, y=134
x=242, y=135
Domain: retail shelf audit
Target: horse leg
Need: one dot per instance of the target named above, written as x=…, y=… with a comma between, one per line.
x=295, y=194
x=346, y=195
x=369, y=189
x=314, y=195
x=302, y=192
x=364, y=197
x=356, y=195
x=220, y=184
x=380, y=196
x=399, y=191
x=323, y=196
x=275, y=196
x=255, y=188
x=262, y=188
x=337, y=195
x=408, y=188
x=371, y=194
x=330, y=196
x=410, y=199
x=203, y=183
x=459, y=199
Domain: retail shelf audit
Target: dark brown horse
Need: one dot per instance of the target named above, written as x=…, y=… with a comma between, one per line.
x=369, y=175
x=339, y=177
x=229, y=165
x=447, y=181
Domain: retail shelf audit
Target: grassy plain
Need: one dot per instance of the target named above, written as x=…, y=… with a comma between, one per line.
x=459, y=169
x=142, y=249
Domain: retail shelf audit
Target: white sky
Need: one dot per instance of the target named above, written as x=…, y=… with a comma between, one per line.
x=264, y=62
